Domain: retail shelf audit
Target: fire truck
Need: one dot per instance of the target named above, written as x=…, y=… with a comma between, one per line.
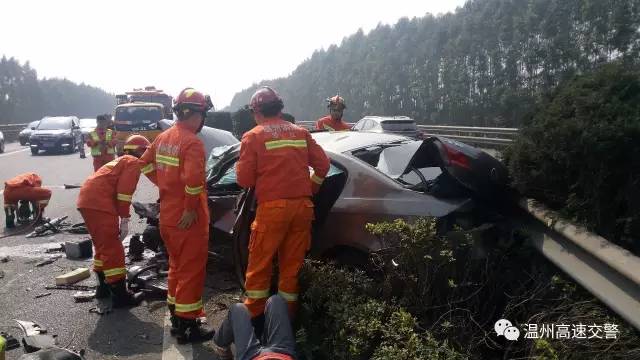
x=149, y=95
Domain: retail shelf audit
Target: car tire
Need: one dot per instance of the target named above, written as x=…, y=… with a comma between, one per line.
x=23, y=143
x=34, y=151
x=1, y=146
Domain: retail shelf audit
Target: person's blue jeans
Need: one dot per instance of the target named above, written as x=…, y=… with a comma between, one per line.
x=278, y=335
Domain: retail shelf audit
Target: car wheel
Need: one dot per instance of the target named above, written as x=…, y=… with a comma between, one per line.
x=23, y=143
x=2, y=146
x=34, y=151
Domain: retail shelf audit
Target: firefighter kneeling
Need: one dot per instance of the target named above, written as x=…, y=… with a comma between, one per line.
x=21, y=191
x=104, y=197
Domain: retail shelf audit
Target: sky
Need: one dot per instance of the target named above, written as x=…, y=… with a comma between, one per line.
x=218, y=47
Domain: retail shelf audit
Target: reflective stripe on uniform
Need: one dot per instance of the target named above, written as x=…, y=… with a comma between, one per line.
x=147, y=169
x=95, y=150
x=189, y=307
x=167, y=160
x=97, y=262
x=277, y=144
x=327, y=127
x=258, y=294
x=115, y=272
x=193, y=190
x=112, y=163
x=288, y=296
x=130, y=147
x=125, y=197
x=317, y=179
x=171, y=300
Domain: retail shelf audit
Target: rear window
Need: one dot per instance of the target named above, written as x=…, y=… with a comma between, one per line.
x=399, y=125
x=54, y=124
x=137, y=118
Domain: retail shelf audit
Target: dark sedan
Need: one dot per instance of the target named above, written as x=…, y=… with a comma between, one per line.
x=59, y=133
x=25, y=133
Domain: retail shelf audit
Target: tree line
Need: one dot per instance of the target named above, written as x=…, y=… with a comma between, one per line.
x=25, y=98
x=486, y=64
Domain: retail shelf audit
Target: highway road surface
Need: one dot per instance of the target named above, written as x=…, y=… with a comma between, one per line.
x=137, y=333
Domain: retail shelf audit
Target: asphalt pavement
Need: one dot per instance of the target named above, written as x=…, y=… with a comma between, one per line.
x=136, y=333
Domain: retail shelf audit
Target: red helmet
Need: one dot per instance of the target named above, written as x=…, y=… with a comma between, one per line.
x=136, y=144
x=337, y=101
x=191, y=99
x=265, y=96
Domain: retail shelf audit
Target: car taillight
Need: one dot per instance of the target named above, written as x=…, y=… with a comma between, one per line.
x=456, y=158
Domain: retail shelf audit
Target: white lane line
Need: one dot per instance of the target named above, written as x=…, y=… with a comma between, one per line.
x=171, y=350
x=13, y=152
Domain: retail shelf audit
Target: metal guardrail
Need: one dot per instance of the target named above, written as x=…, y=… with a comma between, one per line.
x=11, y=131
x=473, y=135
x=609, y=272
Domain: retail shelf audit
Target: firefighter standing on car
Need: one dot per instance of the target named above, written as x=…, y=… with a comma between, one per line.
x=176, y=164
x=104, y=198
x=22, y=191
x=333, y=121
x=102, y=142
x=275, y=157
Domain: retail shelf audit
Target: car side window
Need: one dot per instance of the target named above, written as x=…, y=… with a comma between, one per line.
x=359, y=125
x=368, y=125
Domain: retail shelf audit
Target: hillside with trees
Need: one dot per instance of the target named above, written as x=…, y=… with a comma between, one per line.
x=484, y=65
x=24, y=97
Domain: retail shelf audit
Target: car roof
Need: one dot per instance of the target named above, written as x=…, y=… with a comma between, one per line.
x=139, y=104
x=344, y=141
x=59, y=118
x=387, y=118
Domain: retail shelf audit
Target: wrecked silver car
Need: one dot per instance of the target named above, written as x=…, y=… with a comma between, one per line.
x=373, y=177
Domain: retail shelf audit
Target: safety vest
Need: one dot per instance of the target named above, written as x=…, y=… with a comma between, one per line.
x=95, y=150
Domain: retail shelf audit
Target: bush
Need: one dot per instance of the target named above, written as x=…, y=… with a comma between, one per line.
x=580, y=152
x=438, y=298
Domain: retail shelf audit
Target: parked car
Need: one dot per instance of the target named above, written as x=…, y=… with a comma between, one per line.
x=373, y=177
x=24, y=135
x=399, y=125
x=87, y=125
x=56, y=133
x=1, y=142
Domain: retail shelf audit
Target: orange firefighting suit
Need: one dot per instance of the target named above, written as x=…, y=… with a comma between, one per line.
x=27, y=187
x=102, y=143
x=104, y=197
x=274, y=158
x=327, y=123
x=176, y=163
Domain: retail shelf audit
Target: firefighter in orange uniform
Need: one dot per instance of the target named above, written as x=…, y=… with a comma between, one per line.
x=274, y=158
x=24, y=188
x=104, y=197
x=175, y=162
x=102, y=142
x=334, y=121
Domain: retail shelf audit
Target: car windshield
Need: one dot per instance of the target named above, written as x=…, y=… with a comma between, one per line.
x=55, y=124
x=33, y=124
x=399, y=125
x=88, y=123
x=137, y=118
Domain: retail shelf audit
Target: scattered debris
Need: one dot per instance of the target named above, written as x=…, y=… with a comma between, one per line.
x=48, y=261
x=53, y=353
x=35, y=337
x=11, y=342
x=84, y=296
x=54, y=225
x=79, y=228
x=79, y=249
x=70, y=287
x=42, y=295
x=73, y=276
x=1, y=274
x=55, y=249
x=5, y=259
x=136, y=248
x=100, y=310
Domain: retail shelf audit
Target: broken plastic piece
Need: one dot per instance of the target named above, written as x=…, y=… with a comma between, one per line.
x=36, y=337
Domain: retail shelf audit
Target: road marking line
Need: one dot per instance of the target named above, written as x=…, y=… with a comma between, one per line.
x=13, y=152
x=171, y=350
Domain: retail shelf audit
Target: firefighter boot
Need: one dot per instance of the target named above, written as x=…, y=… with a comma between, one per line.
x=174, y=319
x=103, y=290
x=193, y=331
x=10, y=217
x=122, y=297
